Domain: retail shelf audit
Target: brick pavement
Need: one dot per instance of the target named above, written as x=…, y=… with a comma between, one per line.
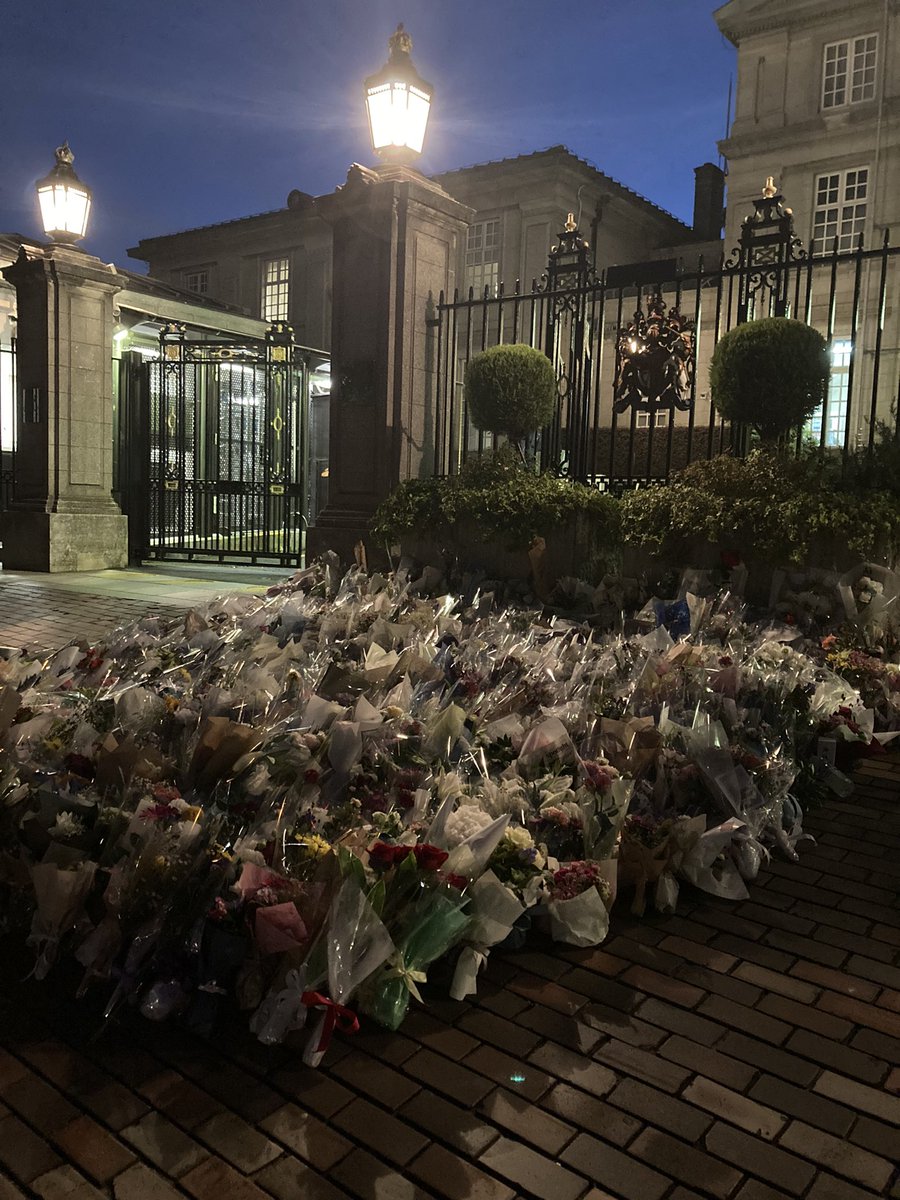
x=741, y=1052
x=45, y=612
x=46, y=618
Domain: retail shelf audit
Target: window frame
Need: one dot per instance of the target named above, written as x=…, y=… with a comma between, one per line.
x=196, y=273
x=277, y=290
x=845, y=209
x=475, y=261
x=855, y=49
x=837, y=406
x=664, y=413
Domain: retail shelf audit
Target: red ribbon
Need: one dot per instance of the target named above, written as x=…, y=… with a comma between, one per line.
x=336, y=1017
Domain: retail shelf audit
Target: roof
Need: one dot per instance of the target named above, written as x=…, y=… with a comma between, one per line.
x=583, y=162
x=306, y=209
x=138, y=250
x=149, y=285
x=146, y=285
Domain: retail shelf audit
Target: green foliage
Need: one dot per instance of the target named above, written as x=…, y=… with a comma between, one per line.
x=771, y=374
x=764, y=506
x=878, y=467
x=511, y=390
x=503, y=501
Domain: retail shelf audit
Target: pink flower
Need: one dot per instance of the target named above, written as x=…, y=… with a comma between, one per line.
x=574, y=878
x=599, y=776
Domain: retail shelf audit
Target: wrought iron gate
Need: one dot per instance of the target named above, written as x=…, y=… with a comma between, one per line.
x=213, y=449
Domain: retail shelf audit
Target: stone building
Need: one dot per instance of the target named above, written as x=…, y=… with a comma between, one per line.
x=277, y=265
x=818, y=108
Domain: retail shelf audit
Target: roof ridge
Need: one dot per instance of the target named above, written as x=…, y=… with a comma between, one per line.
x=578, y=158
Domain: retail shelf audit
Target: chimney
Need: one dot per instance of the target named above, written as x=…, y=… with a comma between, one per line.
x=709, y=202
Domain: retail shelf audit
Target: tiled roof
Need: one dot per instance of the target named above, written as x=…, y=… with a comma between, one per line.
x=560, y=149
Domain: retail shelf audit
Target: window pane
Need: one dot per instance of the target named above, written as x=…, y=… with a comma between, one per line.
x=840, y=211
x=275, y=288
x=483, y=256
x=834, y=75
x=838, y=395
x=197, y=281
x=865, y=51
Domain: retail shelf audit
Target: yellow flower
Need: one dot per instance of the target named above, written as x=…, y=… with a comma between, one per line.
x=311, y=846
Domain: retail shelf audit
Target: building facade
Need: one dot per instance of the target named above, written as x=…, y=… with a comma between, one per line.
x=818, y=108
x=278, y=265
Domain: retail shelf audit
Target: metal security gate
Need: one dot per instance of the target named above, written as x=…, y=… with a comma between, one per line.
x=213, y=449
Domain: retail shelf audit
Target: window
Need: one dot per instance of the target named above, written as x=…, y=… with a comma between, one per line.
x=7, y=398
x=275, y=281
x=660, y=418
x=840, y=210
x=848, y=71
x=838, y=396
x=197, y=281
x=483, y=257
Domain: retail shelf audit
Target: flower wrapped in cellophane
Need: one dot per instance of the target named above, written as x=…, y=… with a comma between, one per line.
x=577, y=904
x=300, y=799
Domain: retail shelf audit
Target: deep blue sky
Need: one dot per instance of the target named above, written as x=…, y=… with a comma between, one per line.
x=186, y=112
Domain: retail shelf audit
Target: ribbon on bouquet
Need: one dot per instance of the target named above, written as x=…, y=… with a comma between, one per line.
x=336, y=1016
x=410, y=978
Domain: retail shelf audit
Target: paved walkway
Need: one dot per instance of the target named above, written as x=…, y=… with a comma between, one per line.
x=741, y=1052
x=49, y=610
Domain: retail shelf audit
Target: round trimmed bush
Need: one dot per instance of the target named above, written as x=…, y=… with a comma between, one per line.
x=511, y=390
x=771, y=374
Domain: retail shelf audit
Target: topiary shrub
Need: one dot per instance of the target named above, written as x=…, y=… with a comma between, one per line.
x=511, y=390
x=771, y=374
x=495, y=498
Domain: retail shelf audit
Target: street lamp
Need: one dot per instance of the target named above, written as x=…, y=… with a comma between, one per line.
x=65, y=201
x=398, y=101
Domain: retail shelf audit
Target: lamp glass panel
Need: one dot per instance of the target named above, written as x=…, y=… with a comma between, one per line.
x=398, y=114
x=64, y=209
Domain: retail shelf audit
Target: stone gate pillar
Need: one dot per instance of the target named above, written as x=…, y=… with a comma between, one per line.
x=396, y=239
x=63, y=517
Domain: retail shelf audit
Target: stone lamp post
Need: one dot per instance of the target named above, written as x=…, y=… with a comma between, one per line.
x=396, y=245
x=63, y=516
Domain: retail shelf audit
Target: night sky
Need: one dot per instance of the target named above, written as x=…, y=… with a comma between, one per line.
x=187, y=112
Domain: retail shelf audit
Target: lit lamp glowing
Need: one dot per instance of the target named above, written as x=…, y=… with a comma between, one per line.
x=65, y=201
x=398, y=101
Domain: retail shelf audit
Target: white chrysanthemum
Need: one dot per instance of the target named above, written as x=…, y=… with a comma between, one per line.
x=464, y=823
x=519, y=837
x=67, y=826
x=245, y=851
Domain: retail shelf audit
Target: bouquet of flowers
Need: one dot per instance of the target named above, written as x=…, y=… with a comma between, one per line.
x=577, y=904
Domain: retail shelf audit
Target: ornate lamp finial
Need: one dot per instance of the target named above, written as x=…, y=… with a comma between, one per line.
x=64, y=155
x=770, y=189
x=400, y=42
x=570, y=223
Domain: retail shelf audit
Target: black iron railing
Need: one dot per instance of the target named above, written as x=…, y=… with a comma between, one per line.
x=615, y=429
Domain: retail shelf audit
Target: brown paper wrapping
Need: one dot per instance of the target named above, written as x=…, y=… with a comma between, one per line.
x=222, y=743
